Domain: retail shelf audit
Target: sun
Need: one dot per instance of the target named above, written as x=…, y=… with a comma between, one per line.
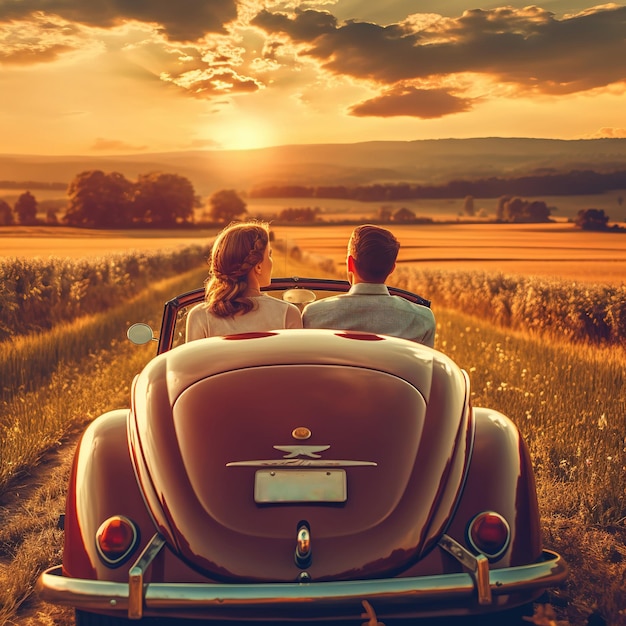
x=246, y=134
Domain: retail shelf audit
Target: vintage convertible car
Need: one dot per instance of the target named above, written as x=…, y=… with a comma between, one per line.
x=299, y=475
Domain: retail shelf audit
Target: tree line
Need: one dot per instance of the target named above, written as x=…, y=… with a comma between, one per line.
x=575, y=182
x=109, y=200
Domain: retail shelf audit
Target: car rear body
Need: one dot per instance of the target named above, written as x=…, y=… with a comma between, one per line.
x=304, y=475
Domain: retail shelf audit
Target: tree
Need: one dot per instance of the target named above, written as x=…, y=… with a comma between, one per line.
x=385, y=213
x=226, y=205
x=163, y=199
x=592, y=219
x=6, y=215
x=520, y=210
x=51, y=216
x=304, y=214
x=537, y=211
x=26, y=209
x=502, y=202
x=403, y=215
x=468, y=206
x=99, y=200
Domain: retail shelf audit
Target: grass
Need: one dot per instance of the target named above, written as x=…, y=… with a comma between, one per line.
x=565, y=398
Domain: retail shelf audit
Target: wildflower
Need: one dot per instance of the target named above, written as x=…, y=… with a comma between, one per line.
x=602, y=422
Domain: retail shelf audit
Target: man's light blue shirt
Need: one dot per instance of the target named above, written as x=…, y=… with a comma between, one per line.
x=369, y=307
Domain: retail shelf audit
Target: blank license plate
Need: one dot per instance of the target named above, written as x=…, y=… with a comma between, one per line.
x=300, y=486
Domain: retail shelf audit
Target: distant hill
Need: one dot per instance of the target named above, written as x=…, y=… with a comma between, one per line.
x=432, y=161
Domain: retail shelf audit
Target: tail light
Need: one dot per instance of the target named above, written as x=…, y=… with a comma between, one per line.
x=489, y=533
x=116, y=539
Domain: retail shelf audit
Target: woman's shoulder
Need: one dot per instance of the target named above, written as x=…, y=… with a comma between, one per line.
x=197, y=308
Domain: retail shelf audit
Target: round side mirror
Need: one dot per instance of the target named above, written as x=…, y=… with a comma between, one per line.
x=299, y=296
x=140, y=334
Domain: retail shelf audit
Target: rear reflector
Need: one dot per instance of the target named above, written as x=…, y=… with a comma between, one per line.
x=489, y=534
x=116, y=539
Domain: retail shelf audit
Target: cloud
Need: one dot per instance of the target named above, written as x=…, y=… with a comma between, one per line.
x=40, y=40
x=179, y=20
x=30, y=55
x=213, y=82
x=608, y=132
x=529, y=48
x=110, y=145
x=423, y=103
x=303, y=26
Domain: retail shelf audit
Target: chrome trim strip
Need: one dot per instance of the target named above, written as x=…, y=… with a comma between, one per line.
x=482, y=580
x=135, y=576
x=478, y=565
x=102, y=595
x=300, y=463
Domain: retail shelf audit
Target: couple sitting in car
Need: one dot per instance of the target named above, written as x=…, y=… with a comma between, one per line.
x=241, y=264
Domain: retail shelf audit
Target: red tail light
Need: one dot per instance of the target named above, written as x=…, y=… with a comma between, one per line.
x=116, y=538
x=489, y=534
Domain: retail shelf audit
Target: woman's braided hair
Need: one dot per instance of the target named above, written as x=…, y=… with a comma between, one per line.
x=236, y=250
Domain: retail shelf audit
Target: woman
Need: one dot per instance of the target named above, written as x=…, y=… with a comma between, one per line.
x=240, y=264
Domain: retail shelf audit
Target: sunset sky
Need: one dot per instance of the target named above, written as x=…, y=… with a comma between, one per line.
x=98, y=77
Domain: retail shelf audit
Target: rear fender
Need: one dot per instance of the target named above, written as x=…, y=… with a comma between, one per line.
x=102, y=484
x=501, y=479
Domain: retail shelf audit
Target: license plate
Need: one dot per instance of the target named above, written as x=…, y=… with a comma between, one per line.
x=300, y=486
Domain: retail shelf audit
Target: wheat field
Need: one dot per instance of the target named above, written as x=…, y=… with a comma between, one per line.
x=557, y=250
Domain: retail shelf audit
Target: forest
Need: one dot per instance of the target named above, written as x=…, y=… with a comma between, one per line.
x=575, y=182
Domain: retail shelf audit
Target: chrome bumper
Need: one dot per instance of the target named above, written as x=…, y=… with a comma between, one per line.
x=434, y=593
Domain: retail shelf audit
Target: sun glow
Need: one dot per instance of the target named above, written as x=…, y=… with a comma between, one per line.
x=246, y=134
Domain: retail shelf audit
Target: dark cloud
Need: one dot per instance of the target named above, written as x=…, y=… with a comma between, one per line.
x=303, y=26
x=423, y=103
x=179, y=20
x=529, y=48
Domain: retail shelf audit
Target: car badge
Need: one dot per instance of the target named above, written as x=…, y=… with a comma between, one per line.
x=302, y=432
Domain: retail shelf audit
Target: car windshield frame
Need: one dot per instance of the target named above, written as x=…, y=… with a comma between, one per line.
x=173, y=308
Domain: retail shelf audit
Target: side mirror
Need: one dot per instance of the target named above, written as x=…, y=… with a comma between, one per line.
x=140, y=334
x=299, y=296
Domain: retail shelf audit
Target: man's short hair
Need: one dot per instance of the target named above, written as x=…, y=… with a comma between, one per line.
x=374, y=250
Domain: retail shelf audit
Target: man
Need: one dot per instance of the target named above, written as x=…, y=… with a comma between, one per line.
x=368, y=306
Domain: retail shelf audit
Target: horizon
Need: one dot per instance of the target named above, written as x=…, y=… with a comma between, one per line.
x=86, y=79
x=130, y=155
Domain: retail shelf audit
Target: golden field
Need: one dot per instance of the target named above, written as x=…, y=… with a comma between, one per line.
x=549, y=250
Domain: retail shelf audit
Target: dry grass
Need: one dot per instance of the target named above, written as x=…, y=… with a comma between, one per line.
x=78, y=243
